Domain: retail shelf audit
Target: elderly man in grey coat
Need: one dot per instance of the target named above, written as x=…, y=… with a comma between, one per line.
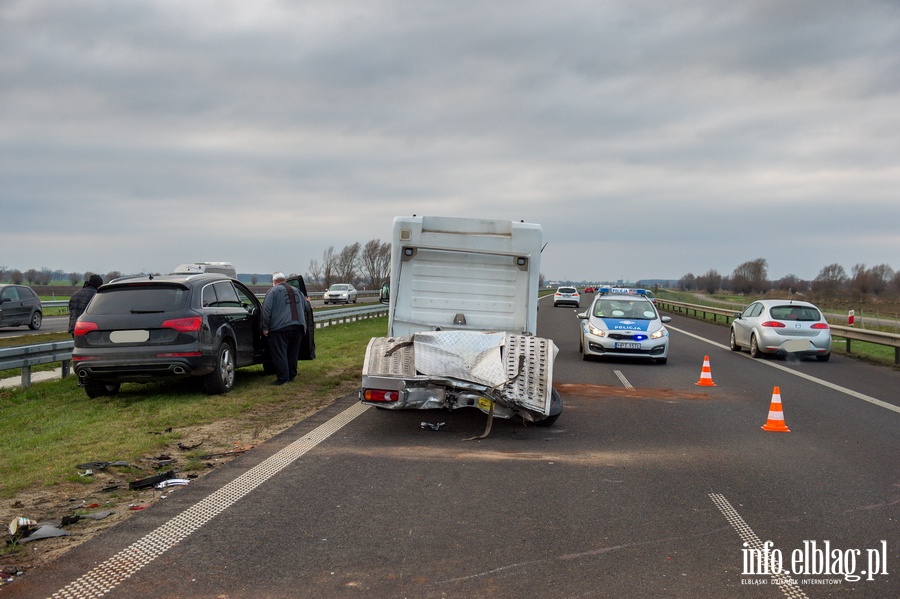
x=284, y=324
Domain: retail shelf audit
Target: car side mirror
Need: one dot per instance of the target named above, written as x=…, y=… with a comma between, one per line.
x=737, y=315
x=5, y=299
x=583, y=316
x=666, y=319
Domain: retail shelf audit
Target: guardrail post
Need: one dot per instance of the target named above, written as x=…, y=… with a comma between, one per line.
x=26, y=376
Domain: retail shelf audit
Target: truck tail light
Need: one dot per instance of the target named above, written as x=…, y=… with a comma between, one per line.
x=382, y=395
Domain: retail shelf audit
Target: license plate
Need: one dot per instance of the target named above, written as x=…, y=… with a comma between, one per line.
x=129, y=336
x=628, y=346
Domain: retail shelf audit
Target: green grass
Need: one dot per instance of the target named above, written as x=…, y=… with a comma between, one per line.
x=50, y=427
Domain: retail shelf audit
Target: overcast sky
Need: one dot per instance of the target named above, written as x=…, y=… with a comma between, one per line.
x=650, y=138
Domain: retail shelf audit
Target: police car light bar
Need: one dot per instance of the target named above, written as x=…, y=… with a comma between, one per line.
x=623, y=290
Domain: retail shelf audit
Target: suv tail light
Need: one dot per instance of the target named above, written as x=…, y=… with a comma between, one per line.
x=83, y=328
x=184, y=325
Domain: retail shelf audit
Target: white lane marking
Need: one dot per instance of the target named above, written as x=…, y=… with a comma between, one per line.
x=845, y=390
x=623, y=379
x=111, y=573
x=751, y=541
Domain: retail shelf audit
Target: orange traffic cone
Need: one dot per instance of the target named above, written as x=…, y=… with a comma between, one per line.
x=775, y=422
x=705, y=374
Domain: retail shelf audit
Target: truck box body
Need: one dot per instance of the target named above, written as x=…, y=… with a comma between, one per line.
x=462, y=320
x=483, y=271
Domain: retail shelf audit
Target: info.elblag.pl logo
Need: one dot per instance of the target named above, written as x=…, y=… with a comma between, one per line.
x=814, y=563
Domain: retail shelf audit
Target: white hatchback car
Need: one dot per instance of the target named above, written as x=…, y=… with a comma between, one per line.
x=782, y=327
x=624, y=323
x=568, y=296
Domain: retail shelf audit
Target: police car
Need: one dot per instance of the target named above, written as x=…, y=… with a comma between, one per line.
x=624, y=322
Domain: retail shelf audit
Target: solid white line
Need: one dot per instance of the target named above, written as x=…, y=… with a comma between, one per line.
x=623, y=379
x=845, y=390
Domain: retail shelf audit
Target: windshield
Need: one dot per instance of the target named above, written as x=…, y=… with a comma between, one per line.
x=624, y=308
x=339, y=288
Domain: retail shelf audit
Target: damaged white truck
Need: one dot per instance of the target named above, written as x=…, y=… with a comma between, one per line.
x=462, y=322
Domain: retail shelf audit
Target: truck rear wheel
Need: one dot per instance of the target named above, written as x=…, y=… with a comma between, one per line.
x=556, y=408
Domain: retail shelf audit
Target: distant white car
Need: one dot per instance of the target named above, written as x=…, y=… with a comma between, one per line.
x=568, y=296
x=782, y=327
x=341, y=293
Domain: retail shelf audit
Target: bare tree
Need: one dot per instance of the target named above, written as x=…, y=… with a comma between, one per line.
x=313, y=275
x=791, y=283
x=74, y=278
x=375, y=263
x=113, y=274
x=711, y=282
x=31, y=275
x=16, y=276
x=687, y=282
x=751, y=276
x=880, y=278
x=830, y=280
x=329, y=267
x=346, y=263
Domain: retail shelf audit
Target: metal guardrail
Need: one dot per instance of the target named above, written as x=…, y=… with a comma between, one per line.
x=26, y=356
x=848, y=333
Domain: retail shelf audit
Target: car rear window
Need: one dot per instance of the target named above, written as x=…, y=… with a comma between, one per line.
x=131, y=300
x=806, y=313
x=568, y=290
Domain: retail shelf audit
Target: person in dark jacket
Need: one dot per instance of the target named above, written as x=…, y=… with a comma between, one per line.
x=81, y=298
x=284, y=324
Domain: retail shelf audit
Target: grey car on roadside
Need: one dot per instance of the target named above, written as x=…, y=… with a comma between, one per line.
x=20, y=306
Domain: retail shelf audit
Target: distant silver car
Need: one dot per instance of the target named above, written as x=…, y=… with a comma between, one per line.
x=341, y=293
x=782, y=327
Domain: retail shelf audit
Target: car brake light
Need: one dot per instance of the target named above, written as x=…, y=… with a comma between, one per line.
x=381, y=395
x=820, y=326
x=83, y=328
x=773, y=324
x=184, y=325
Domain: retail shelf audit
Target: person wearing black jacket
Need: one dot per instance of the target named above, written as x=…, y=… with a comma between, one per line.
x=81, y=298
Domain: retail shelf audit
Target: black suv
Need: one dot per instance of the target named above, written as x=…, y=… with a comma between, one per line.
x=19, y=305
x=143, y=329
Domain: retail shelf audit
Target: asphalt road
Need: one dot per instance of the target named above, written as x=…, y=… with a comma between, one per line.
x=648, y=486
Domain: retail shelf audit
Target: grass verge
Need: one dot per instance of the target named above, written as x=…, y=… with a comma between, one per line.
x=49, y=428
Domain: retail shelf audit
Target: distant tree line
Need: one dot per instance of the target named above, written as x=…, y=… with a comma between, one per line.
x=44, y=276
x=832, y=283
